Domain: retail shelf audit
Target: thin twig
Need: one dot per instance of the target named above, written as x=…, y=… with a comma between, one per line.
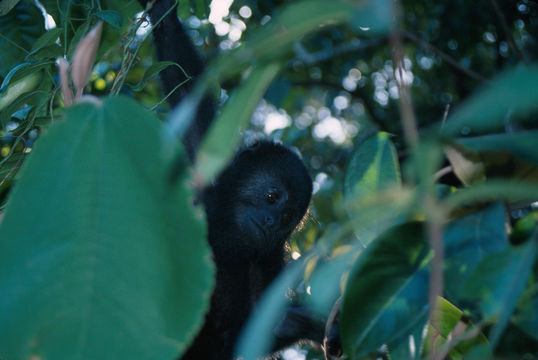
x=447, y=58
x=445, y=115
x=439, y=174
x=508, y=33
x=435, y=237
x=170, y=93
x=469, y=334
x=406, y=110
x=433, y=220
x=17, y=165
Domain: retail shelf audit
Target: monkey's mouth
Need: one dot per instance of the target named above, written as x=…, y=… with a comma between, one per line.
x=259, y=229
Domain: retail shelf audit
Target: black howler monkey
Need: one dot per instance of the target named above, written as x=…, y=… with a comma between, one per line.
x=252, y=208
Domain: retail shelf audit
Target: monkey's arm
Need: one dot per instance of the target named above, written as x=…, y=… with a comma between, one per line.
x=299, y=323
x=172, y=43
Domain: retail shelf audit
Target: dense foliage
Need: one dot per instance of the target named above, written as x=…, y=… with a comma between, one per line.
x=418, y=123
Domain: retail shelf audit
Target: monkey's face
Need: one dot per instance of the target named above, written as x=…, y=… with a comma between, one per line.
x=258, y=201
x=264, y=214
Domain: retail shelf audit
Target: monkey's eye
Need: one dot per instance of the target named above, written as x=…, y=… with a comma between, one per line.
x=271, y=196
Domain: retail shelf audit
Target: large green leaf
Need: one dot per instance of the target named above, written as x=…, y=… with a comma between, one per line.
x=497, y=283
x=468, y=241
x=403, y=317
x=373, y=168
x=19, y=29
x=325, y=282
x=522, y=144
x=101, y=257
x=379, y=277
x=514, y=91
x=510, y=190
x=48, y=38
x=510, y=155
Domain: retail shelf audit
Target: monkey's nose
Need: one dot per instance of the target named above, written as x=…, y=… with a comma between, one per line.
x=269, y=221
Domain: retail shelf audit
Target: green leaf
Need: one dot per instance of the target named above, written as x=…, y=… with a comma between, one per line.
x=19, y=30
x=527, y=317
x=124, y=10
x=153, y=70
x=497, y=283
x=522, y=145
x=410, y=349
x=468, y=240
x=468, y=167
x=514, y=91
x=6, y=6
x=96, y=243
x=184, y=9
x=380, y=275
x=220, y=143
x=25, y=70
x=447, y=324
x=112, y=17
x=37, y=97
x=16, y=89
x=52, y=51
x=278, y=91
x=257, y=334
x=373, y=168
x=524, y=228
x=325, y=282
x=201, y=8
x=406, y=315
x=48, y=38
x=10, y=75
x=509, y=190
x=181, y=116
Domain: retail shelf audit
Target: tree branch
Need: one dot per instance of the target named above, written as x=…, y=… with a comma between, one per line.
x=508, y=33
x=433, y=224
x=407, y=114
x=342, y=49
x=444, y=56
x=357, y=93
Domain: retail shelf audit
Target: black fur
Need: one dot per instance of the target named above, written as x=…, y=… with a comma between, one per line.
x=173, y=44
x=252, y=208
